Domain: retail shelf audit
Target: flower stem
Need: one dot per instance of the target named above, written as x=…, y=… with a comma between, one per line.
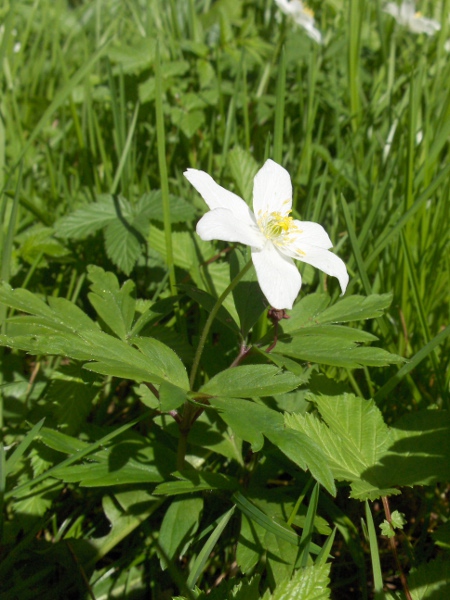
x=191, y=412
x=210, y=319
x=393, y=546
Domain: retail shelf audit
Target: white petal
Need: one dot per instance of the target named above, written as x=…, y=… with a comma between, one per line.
x=327, y=262
x=216, y=196
x=392, y=9
x=278, y=276
x=423, y=25
x=272, y=189
x=222, y=224
x=314, y=33
x=312, y=234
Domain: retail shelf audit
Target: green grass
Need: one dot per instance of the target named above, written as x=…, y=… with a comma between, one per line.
x=119, y=98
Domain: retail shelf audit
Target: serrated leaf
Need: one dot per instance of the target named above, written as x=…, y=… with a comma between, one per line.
x=355, y=308
x=123, y=244
x=251, y=422
x=115, y=305
x=336, y=346
x=243, y=169
x=310, y=583
x=430, y=580
x=61, y=328
x=352, y=435
x=164, y=361
x=151, y=206
x=72, y=401
x=418, y=453
x=251, y=380
x=188, y=121
x=89, y=219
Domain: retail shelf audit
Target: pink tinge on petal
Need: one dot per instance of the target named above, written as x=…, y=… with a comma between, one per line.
x=278, y=276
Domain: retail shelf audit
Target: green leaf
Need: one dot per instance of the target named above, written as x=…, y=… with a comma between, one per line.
x=386, y=529
x=115, y=305
x=190, y=122
x=277, y=528
x=418, y=452
x=129, y=460
x=190, y=480
x=164, y=361
x=310, y=583
x=352, y=435
x=72, y=399
x=335, y=345
x=251, y=380
x=243, y=169
x=179, y=524
x=356, y=308
x=206, y=301
x=89, y=219
x=181, y=211
x=207, y=548
x=125, y=512
x=123, y=241
x=170, y=397
x=430, y=580
x=251, y=422
x=247, y=295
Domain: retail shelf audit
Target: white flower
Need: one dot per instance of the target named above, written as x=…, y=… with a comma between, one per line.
x=406, y=15
x=302, y=15
x=275, y=237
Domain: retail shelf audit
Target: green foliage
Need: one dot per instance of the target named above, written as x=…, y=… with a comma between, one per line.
x=120, y=474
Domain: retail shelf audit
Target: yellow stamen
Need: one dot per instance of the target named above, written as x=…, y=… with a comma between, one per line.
x=418, y=15
x=308, y=11
x=280, y=229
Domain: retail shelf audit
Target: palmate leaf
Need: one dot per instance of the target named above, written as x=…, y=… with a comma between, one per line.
x=314, y=310
x=334, y=345
x=251, y=380
x=252, y=422
x=61, y=328
x=352, y=435
x=312, y=332
x=371, y=456
x=125, y=224
x=115, y=305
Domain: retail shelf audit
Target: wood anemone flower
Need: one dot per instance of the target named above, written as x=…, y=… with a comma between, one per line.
x=405, y=14
x=302, y=15
x=274, y=236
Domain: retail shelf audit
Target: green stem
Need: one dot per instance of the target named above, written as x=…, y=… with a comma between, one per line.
x=209, y=321
x=161, y=143
x=190, y=412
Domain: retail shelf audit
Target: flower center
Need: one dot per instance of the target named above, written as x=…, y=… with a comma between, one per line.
x=280, y=229
x=418, y=15
x=308, y=11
